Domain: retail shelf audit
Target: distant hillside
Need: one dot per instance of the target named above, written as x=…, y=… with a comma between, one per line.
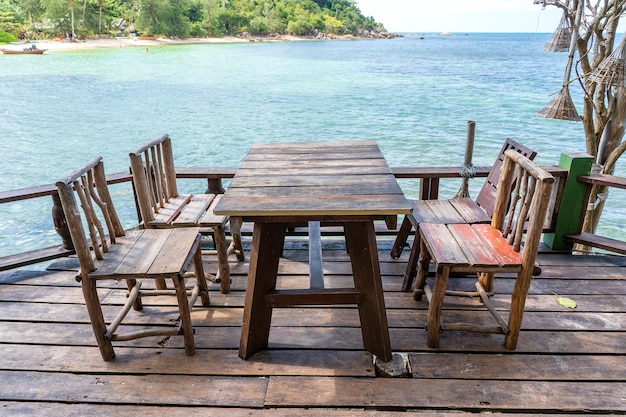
x=36, y=19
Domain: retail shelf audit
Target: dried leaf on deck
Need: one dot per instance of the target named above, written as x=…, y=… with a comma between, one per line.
x=566, y=302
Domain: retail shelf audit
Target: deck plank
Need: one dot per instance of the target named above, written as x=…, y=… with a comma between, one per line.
x=520, y=367
x=220, y=362
x=18, y=409
x=437, y=394
x=127, y=389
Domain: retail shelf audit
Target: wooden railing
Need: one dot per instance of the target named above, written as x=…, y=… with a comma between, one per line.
x=213, y=176
x=429, y=187
x=594, y=240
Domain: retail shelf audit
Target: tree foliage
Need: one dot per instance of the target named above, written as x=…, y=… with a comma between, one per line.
x=47, y=18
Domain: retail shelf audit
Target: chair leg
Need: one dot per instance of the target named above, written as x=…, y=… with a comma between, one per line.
x=137, y=305
x=411, y=265
x=160, y=284
x=185, y=317
x=236, y=245
x=200, y=278
x=435, y=306
x=92, y=301
x=486, y=280
x=518, y=301
x=222, y=258
x=423, y=261
x=401, y=238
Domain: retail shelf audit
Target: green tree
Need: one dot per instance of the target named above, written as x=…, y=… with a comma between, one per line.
x=332, y=24
x=163, y=17
x=10, y=27
x=61, y=14
x=231, y=21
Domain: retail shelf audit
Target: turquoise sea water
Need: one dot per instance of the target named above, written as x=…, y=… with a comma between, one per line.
x=413, y=96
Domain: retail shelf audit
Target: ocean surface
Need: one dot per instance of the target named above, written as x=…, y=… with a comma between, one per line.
x=413, y=95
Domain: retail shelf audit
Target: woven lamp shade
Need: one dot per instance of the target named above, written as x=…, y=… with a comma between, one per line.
x=561, y=107
x=561, y=38
x=611, y=71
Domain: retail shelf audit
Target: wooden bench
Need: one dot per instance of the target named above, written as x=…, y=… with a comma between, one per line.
x=110, y=253
x=509, y=244
x=161, y=206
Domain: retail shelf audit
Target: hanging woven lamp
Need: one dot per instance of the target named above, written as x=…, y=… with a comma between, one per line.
x=561, y=38
x=612, y=70
x=562, y=106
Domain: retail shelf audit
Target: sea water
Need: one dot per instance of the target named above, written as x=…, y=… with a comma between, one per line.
x=413, y=95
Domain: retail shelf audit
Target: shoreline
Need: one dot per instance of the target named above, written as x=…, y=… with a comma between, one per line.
x=83, y=44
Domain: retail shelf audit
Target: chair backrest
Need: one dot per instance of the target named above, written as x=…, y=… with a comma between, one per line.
x=154, y=176
x=522, y=200
x=487, y=196
x=85, y=190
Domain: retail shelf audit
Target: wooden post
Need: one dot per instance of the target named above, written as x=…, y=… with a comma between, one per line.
x=214, y=186
x=60, y=223
x=468, y=171
x=572, y=204
x=429, y=189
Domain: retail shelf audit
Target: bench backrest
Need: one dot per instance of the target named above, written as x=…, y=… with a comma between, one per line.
x=85, y=190
x=487, y=195
x=154, y=176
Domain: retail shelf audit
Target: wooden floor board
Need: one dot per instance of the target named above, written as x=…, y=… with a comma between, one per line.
x=131, y=389
x=19, y=409
x=521, y=367
x=222, y=362
x=568, y=361
x=493, y=395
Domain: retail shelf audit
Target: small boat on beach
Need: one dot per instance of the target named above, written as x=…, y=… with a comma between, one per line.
x=31, y=50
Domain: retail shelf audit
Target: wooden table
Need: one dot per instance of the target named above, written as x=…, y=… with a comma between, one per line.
x=348, y=183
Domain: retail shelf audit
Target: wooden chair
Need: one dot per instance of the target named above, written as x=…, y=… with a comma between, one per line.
x=113, y=254
x=509, y=244
x=455, y=210
x=161, y=206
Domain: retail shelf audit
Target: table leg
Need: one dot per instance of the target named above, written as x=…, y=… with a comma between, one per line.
x=267, y=245
x=361, y=243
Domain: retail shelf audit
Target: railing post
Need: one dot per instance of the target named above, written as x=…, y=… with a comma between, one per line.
x=572, y=205
x=215, y=186
x=429, y=189
x=60, y=224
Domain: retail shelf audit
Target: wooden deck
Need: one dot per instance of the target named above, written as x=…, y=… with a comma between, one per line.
x=567, y=361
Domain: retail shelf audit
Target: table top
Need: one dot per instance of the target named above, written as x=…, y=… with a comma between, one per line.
x=314, y=180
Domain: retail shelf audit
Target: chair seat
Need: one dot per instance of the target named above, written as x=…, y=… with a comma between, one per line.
x=456, y=210
x=469, y=248
x=210, y=219
x=147, y=253
x=189, y=210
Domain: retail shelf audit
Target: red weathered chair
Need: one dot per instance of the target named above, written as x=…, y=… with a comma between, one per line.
x=509, y=244
x=161, y=206
x=110, y=253
x=455, y=210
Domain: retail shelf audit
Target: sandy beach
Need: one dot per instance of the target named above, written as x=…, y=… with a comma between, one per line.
x=65, y=44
